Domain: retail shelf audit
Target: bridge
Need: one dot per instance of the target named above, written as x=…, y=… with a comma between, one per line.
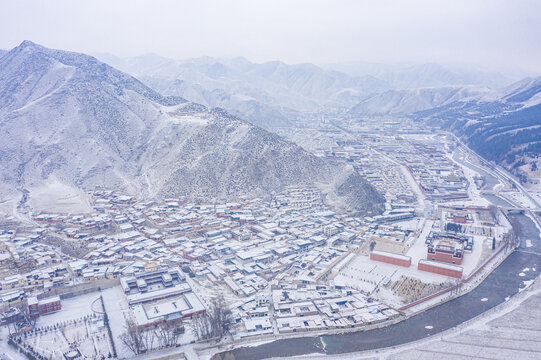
x=514, y=210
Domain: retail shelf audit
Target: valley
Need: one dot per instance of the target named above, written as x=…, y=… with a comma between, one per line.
x=223, y=209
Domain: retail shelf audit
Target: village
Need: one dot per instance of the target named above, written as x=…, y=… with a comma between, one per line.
x=277, y=266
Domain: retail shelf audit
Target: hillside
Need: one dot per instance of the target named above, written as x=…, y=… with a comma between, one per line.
x=72, y=122
x=504, y=127
x=402, y=102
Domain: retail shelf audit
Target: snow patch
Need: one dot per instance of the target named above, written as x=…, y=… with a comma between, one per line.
x=526, y=284
x=55, y=195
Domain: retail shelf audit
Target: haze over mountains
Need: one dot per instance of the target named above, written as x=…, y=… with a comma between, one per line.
x=71, y=122
x=411, y=76
x=275, y=94
x=270, y=94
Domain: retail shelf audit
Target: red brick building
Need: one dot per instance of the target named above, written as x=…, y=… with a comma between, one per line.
x=44, y=306
x=440, y=268
x=390, y=258
x=445, y=252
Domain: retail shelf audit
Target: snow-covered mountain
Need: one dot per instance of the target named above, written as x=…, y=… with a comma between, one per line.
x=265, y=94
x=66, y=118
x=504, y=126
x=526, y=92
x=401, y=102
x=411, y=76
x=275, y=94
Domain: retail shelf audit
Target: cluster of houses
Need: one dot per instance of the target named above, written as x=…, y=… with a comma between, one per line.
x=164, y=253
x=379, y=160
x=274, y=259
x=307, y=308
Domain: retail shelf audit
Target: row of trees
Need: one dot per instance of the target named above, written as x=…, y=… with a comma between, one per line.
x=163, y=335
x=108, y=327
x=213, y=324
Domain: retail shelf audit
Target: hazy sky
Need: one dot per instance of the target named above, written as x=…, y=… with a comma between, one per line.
x=484, y=32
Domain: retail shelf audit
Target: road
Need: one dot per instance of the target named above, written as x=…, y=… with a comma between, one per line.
x=497, y=172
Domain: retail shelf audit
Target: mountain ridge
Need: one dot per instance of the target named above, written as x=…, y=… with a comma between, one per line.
x=71, y=119
x=504, y=127
x=266, y=94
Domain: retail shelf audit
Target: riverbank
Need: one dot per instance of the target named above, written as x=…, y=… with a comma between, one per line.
x=470, y=328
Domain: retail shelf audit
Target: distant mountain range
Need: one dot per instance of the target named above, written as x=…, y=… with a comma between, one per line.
x=402, y=102
x=430, y=75
x=68, y=118
x=269, y=95
x=275, y=94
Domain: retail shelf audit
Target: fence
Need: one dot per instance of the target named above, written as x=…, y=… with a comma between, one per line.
x=80, y=289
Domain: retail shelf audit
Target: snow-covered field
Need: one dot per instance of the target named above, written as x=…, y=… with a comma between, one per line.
x=72, y=309
x=76, y=326
x=60, y=197
x=88, y=336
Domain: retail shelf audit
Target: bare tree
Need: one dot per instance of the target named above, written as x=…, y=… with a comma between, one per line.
x=168, y=333
x=215, y=322
x=139, y=340
x=25, y=312
x=148, y=339
x=19, y=318
x=11, y=324
x=132, y=337
x=493, y=210
x=201, y=326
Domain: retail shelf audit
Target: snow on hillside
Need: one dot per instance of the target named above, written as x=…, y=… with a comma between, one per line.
x=413, y=100
x=70, y=120
x=263, y=94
